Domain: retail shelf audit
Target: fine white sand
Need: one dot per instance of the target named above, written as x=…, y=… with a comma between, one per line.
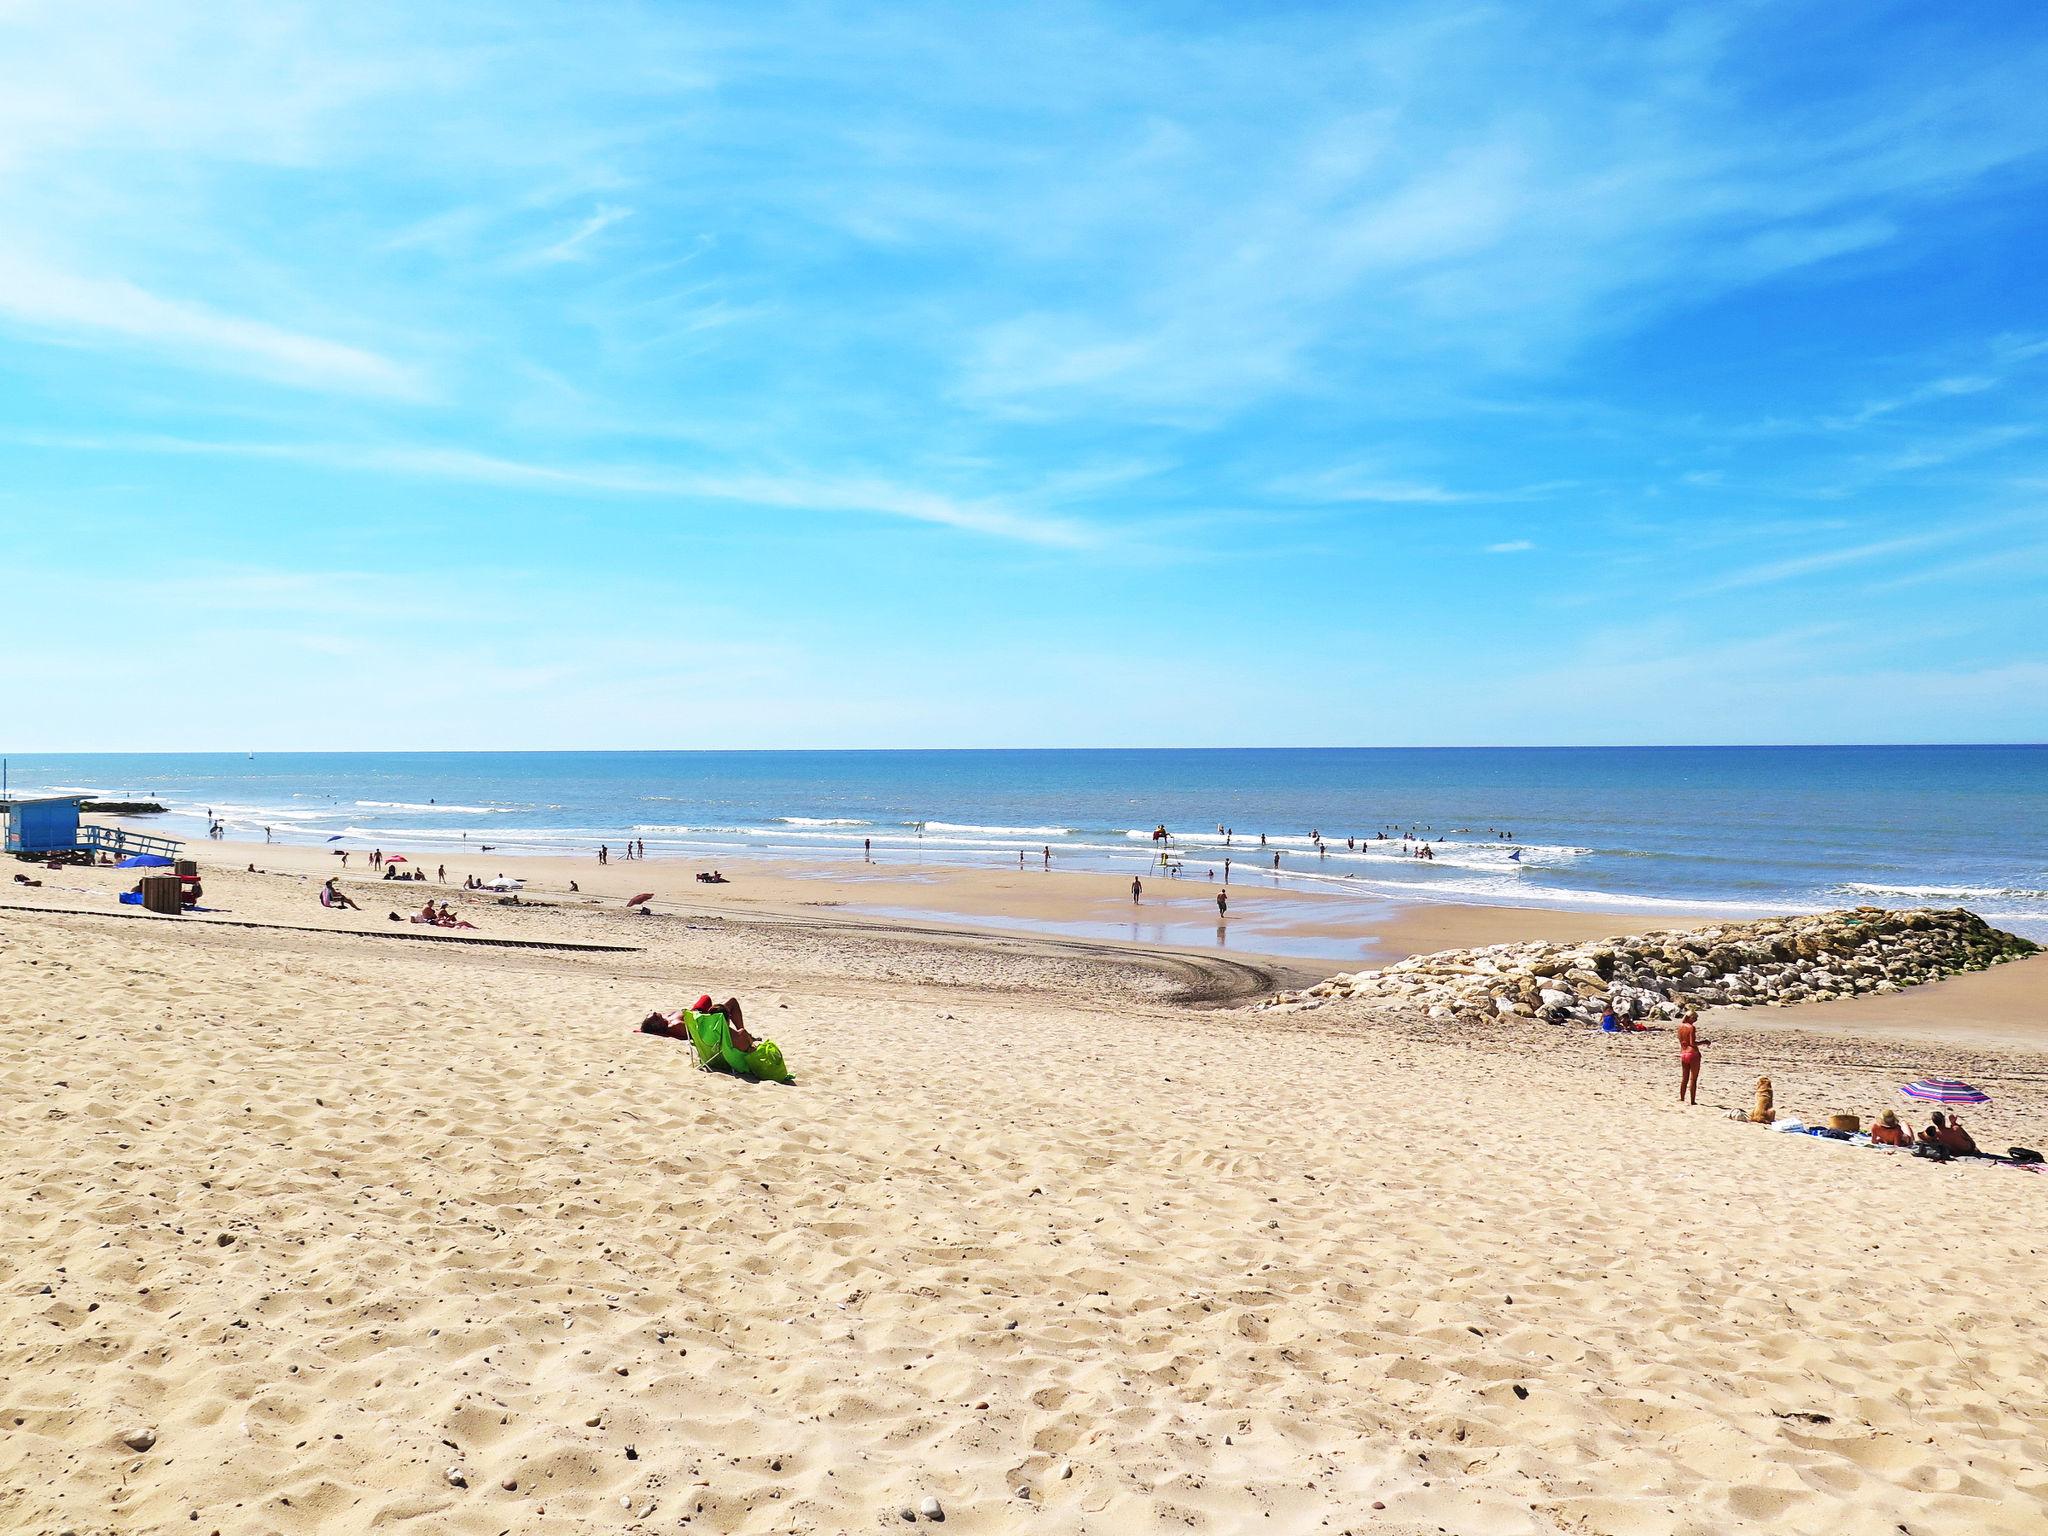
x=335, y=1214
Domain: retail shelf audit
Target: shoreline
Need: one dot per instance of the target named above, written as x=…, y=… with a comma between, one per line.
x=1265, y=921
x=1280, y=937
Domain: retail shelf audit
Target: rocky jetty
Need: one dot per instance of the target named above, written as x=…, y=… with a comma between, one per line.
x=1771, y=962
x=123, y=807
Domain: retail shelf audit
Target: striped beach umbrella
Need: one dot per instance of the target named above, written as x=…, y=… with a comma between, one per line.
x=1944, y=1090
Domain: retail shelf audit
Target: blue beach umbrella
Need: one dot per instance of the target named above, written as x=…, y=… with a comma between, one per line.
x=144, y=861
x=1944, y=1090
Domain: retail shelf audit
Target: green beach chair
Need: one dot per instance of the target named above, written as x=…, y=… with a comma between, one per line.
x=712, y=1037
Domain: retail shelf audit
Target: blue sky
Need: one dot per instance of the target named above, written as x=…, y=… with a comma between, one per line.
x=655, y=375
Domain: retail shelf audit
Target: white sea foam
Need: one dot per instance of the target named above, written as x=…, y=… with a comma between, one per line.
x=452, y=810
x=1945, y=892
x=282, y=815
x=1520, y=895
x=473, y=837
x=968, y=826
x=823, y=821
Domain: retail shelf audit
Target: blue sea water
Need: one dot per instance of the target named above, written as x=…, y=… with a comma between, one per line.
x=1741, y=829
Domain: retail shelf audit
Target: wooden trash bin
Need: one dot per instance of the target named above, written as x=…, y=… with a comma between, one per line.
x=188, y=867
x=160, y=893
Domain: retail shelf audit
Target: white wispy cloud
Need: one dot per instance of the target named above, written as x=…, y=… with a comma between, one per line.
x=787, y=491
x=575, y=246
x=1935, y=389
x=1497, y=208
x=1510, y=547
x=1773, y=571
x=50, y=299
x=1367, y=483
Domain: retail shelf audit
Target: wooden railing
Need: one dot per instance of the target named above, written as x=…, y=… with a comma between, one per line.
x=121, y=842
x=92, y=838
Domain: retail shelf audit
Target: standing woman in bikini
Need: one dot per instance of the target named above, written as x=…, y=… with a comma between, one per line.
x=1689, y=1043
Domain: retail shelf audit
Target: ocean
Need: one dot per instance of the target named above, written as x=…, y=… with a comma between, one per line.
x=1734, y=829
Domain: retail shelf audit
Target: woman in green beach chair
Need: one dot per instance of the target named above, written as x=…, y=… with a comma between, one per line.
x=719, y=1035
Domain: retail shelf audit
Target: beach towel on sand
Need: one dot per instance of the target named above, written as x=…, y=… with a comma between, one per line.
x=712, y=1037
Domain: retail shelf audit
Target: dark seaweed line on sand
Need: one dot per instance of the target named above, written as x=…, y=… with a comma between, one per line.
x=337, y=933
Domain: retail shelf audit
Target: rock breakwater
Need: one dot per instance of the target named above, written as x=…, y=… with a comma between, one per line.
x=1771, y=962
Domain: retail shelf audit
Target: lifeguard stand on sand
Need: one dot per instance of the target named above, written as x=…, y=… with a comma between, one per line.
x=48, y=826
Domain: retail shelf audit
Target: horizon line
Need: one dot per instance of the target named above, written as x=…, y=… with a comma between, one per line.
x=1695, y=746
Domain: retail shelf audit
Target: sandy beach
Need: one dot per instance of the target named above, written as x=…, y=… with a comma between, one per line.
x=1307, y=931
x=393, y=1232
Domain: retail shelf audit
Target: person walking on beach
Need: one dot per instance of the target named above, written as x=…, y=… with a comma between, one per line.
x=867, y=850
x=1689, y=1043
x=643, y=847
x=604, y=853
x=1137, y=889
x=1047, y=850
x=1222, y=905
x=441, y=873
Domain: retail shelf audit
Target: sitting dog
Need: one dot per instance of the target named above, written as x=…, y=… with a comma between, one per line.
x=1762, y=1113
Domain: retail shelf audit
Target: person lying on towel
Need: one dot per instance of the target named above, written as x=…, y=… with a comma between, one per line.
x=719, y=1034
x=1947, y=1133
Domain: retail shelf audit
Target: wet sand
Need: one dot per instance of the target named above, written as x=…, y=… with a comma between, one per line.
x=1265, y=921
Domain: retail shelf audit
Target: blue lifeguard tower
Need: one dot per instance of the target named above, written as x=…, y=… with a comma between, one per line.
x=49, y=824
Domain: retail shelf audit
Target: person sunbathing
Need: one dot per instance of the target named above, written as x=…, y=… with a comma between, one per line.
x=731, y=1009
x=332, y=895
x=1944, y=1138
x=1952, y=1138
x=1890, y=1131
x=448, y=919
x=718, y=1035
x=678, y=1022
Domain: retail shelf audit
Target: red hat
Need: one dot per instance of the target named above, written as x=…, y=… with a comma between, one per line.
x=702, y=1005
